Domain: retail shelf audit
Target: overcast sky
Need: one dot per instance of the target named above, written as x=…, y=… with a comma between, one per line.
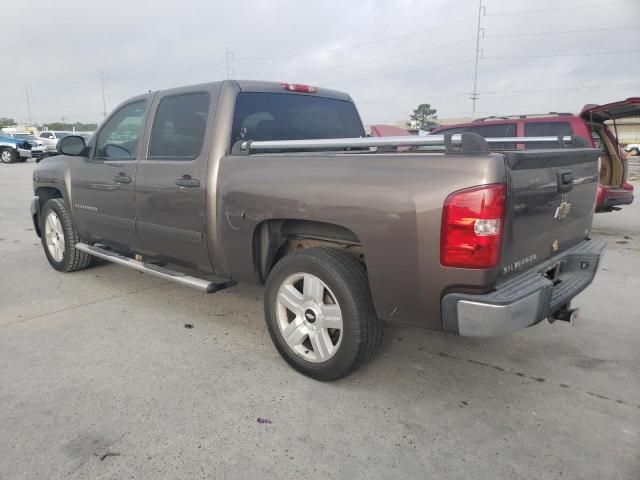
x=390, y=55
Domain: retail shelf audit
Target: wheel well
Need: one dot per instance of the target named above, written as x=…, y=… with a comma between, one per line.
x=45, y=194
x=273, y=239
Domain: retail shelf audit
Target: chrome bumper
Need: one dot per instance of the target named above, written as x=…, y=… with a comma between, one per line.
x=526, y=299
x=24, y=153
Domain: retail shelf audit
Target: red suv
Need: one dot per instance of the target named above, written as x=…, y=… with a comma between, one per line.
x=590, y=123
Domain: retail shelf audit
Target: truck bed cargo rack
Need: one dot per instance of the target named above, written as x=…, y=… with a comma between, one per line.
x=466, y=142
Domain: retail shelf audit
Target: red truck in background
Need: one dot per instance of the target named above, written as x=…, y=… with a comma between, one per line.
x=613, y=188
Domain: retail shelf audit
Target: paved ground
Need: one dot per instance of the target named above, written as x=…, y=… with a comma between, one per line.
x=99, y=378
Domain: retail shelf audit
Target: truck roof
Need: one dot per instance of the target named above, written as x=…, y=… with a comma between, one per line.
x=263, y=86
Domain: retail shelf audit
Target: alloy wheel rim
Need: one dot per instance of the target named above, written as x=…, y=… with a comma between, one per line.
x=309, y=317
x=6, y=156
x=54, y=236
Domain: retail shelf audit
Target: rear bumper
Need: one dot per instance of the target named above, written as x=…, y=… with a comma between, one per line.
x=524, y=300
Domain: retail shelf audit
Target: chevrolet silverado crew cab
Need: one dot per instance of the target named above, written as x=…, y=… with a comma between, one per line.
x=613, y=189
x=277, y=184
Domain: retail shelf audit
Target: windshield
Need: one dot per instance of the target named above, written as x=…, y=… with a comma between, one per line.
x=281, y=116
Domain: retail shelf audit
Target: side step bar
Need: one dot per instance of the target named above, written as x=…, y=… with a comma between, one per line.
x=206, y=286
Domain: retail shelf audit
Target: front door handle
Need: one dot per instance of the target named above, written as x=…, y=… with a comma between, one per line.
x=187, y=181
x=122, y=178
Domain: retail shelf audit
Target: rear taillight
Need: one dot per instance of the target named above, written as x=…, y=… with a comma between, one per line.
x=298, y=87
x=472, y=224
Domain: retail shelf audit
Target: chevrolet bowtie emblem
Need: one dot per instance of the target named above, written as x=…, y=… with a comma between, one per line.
x=562, y=211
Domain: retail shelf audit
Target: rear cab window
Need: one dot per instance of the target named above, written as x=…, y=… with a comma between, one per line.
x=284, y=116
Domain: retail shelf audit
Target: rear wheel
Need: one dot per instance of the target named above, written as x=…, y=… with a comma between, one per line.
x=320, y=314
x=8, y=156
x=59, y=238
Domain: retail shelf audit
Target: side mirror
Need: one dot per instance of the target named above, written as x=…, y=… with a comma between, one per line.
x=72, y=145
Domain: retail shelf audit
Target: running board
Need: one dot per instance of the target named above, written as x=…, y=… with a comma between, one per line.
x=206, y=286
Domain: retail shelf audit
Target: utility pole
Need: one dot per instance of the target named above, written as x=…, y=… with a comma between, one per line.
x=229, y=61
x=482, y=11
x=104, y=83
x=26, y=91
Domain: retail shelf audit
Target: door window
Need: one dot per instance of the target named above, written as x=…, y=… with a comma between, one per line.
x=119, y=137
x=45, y=135
x=179, y=127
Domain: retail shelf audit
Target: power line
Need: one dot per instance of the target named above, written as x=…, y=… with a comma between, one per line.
x=585, y=54
x=588, y=87
x=104, y=83
x=358, y=45
x=28, y=95
x=410, y=72
x=577, y=7
x=474, y=95
x=399, y=99
x=229, y=62
x=535, y=34
x=389, y=57
x=503, y=93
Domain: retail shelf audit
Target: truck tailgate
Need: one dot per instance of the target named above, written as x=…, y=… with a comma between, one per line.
x=550, y=204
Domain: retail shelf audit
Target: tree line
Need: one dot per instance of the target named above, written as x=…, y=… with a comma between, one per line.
x=79, y=126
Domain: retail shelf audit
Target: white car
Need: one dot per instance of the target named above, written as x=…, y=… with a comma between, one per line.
x=50, y=139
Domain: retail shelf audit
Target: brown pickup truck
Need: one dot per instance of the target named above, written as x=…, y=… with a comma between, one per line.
x=277, y=184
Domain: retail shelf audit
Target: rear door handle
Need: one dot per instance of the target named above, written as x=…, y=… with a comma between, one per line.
x=122, y=178
x=188, y=182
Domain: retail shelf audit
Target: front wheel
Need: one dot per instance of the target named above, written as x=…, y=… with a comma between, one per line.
x=320, y=314
x=59, y=238
x=8, y=156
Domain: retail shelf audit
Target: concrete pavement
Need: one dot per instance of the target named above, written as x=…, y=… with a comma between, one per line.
x=99, y=378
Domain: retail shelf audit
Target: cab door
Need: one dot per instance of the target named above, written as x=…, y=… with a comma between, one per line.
x=171, y=178
x=103, y=183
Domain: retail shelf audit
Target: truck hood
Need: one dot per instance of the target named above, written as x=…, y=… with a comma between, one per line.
x=16, y=142
x=612, y=111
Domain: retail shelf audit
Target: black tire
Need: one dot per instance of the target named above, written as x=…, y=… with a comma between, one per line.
x=7, y=155
x=347, y=281
x=72, y=259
